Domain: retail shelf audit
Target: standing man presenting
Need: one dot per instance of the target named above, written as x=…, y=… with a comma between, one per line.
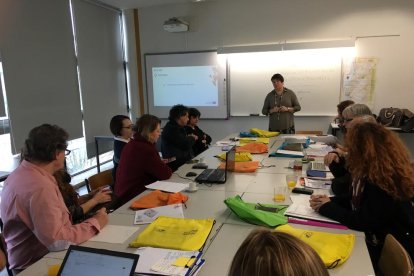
x=280, y=104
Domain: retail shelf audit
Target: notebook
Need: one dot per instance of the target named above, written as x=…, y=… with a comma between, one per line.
x=88, y=261
x=318, y=166
x=218, y=175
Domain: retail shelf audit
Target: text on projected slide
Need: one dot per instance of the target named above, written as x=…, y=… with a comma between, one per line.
x=188, y=85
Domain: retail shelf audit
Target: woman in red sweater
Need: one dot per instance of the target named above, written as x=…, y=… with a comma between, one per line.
x=140, y=162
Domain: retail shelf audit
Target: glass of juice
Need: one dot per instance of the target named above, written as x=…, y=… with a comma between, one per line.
x=291, y=181
x=280, y=193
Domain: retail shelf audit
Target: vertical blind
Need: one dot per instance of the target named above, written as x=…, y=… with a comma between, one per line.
x=2, y=108
x=38, y=56
x=102, y=75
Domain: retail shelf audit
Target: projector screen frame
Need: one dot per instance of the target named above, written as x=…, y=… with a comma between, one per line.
x=189, y=58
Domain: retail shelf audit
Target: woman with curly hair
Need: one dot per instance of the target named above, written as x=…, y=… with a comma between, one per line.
x=382, y=180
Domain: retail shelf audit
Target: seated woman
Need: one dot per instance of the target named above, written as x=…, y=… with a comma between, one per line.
x=121, y=128
x=336, y=159
x=140, y=162
x=340, y=108
x=204, y=139
x=79, y=206
x=382, y=178
x=176, y=143
x=267, y=253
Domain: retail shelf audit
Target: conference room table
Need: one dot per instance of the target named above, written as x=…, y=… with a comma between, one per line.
x=229, y=231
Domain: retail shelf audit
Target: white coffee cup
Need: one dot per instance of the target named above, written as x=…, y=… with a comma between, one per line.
x=192, y=186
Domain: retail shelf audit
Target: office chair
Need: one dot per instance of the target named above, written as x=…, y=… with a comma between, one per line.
x=98, y=180
x=394, y=260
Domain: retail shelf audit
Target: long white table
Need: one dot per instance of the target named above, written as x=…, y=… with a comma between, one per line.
x=229, y=231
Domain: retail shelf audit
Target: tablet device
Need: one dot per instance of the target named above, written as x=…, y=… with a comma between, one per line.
x=80, y=260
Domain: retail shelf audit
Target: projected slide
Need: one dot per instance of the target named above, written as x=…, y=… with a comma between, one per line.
x=188, y=85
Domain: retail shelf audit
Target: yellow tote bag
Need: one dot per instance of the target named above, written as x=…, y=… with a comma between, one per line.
x=239, y=157
x=263, y=133
x=244, y=141
x=175, y=233
x=334, y=249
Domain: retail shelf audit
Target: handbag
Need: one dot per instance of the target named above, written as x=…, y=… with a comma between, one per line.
x=391, y=117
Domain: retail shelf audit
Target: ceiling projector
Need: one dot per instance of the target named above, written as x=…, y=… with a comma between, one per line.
x=175, y=25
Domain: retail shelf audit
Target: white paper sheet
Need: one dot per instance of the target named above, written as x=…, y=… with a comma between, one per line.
x=149, y=256
x=172, y=187
x=149, y=215
x=114, y=234
x=301, y=210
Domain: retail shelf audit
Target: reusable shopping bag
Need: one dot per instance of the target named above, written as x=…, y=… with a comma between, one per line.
x=247, y=140
x=264, y=133
x=253, y=148
x=334, y=249
x=239, y=157
x=242, y=167
x=256, y=214
x=157, y=198
x=175, y=233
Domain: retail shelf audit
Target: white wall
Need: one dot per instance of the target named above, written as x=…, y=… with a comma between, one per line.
x=243, y=22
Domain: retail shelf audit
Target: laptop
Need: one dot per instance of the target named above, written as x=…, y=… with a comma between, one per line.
x=318, y=166
x=88, y=261
x=218, y=176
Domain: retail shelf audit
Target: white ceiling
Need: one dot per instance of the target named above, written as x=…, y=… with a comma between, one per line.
x=135, y=4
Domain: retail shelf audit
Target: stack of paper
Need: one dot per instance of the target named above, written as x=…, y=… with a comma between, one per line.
x=149, y=215
x=159, y=261
x=172, y=187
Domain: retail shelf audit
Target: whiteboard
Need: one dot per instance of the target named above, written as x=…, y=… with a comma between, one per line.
x=314, y=75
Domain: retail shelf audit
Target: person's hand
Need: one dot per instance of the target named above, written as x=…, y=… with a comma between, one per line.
x=102, y=217
x=194, y=136
x=274, y=109
x=331, y=157
x=316, y=201
x=102, y=196
x=284, y=109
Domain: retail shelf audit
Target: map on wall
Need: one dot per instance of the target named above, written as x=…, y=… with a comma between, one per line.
x=358, y=80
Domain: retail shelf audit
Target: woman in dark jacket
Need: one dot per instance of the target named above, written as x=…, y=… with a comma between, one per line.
x=382, y=180
x=176, y=143
x=140, y=162
x=204, y=140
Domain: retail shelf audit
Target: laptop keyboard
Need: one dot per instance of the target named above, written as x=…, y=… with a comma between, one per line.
x=211, y=175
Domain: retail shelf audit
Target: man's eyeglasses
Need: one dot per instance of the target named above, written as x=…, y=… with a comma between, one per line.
x=67, y=152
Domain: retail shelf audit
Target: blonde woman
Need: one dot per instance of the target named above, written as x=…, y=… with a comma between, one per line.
x=267, y=253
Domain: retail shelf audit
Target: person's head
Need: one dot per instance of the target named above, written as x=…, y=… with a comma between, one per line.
x=194, y=116
x=179, y=114
x=46, y=144
x=121, y=126
x=149, y=127
x=342, y=105
x=354, y=111
x=277, y=81
x=267, y=253
x=378, y=155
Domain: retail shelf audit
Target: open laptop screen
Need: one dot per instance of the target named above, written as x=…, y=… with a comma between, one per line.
x=231, y=159
x=92, y=261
